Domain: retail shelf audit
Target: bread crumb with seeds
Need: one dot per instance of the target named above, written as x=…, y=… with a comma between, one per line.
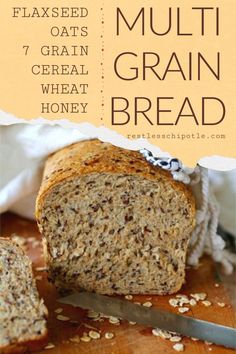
x=89, y=179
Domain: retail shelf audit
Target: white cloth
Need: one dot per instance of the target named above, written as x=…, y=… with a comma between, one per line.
x=25, y=147
x=224, y=188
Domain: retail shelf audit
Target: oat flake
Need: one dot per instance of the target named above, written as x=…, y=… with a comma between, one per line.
x=109, y=335
x=179, y=347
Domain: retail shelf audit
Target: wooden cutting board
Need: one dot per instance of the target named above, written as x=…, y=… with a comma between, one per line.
x=128, y=339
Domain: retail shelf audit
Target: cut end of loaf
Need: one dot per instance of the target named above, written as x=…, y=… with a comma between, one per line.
x=22, y=313
x=113, y=224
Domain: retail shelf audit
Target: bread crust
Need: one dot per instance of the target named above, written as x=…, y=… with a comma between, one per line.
x=94, y=156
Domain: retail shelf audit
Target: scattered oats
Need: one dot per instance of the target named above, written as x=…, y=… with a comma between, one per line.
x=63, y=318
x=75, y=339
x=183, y=309
x=132, y=323
x=49, y=346
x=194, y=339
x=21, y=241
x=192, y=302
x=41, y=269
x=164, y=334
x=179, y=347
x=137, y=303
x=221, y=304
x=114, y=320
x=208, y=343
x=174, y=302
x=175, y=339
x=206, y=303
x=39, y=277
x=109, y=335
x=199, y=296
x=217, y=285
x=58, y=310
x=156, y=332
x=128, y=297
x=85, y=338
x=94, y=335
x=210, y=349
x=147, y=304
x=183, y=302
x=93, y=314
x=181, y=296
x=105, y=316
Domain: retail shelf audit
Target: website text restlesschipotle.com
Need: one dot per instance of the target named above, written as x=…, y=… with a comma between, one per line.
x=177, y=136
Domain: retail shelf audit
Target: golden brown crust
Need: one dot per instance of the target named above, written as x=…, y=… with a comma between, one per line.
x=33, y=345
x=93, y=156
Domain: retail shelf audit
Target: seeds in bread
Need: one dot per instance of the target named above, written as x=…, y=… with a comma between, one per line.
x=22, y=313
x=113, y=223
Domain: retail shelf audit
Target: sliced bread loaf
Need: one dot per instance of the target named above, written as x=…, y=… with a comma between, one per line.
x=22, y=313
x=113, y=223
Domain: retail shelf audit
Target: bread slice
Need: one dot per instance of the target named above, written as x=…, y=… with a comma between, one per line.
x=22, y=313
x=113, y=223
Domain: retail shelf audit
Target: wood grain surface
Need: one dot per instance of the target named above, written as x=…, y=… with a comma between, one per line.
x=128, y=339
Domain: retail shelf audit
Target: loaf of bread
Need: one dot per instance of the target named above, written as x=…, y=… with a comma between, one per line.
x=22, y=313
x=113, y=223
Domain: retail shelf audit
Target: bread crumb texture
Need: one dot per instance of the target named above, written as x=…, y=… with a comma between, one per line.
x=113, y=223
x=22, y=313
